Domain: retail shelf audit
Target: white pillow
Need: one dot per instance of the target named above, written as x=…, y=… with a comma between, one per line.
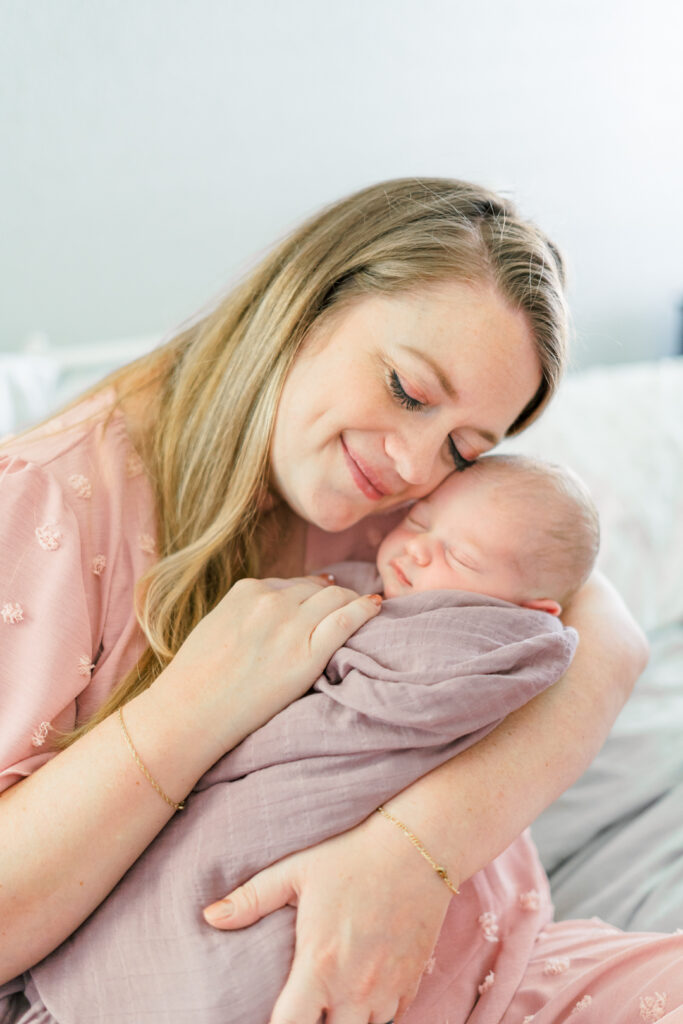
x=621, y=429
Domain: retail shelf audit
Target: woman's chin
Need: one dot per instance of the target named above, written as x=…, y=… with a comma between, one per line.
x=336, y=516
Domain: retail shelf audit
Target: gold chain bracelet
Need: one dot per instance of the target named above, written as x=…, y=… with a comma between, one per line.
x=171, y=803
x=440, y=870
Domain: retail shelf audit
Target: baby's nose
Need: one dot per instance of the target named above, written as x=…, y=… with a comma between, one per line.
x=418, y=549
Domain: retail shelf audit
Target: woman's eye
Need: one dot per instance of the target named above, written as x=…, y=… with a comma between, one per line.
x=409, y=402
x=400, y=393
x=459, y=460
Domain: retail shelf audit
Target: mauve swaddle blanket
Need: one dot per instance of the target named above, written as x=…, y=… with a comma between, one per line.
x=428, y=677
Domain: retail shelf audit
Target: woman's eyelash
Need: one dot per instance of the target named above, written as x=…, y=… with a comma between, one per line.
x=459, y=460
x=401, y=395
x=408, y=402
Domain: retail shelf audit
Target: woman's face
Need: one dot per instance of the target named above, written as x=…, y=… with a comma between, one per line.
x=391, y=392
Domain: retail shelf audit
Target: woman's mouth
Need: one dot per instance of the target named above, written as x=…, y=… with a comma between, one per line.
x=364, y=478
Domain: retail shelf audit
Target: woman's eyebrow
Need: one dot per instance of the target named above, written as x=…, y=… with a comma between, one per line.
x=447, y=387
x=434, y=367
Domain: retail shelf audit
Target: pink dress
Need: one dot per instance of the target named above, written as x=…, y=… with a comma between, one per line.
x=76, y=532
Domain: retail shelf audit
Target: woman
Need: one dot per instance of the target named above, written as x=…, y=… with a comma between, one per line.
x=397, y=335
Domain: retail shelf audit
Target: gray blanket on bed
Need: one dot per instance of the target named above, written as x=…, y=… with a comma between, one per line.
x=428, y=677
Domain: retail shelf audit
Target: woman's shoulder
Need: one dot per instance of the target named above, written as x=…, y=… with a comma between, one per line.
x=76, y=532
x=85, y=451
x=77, y=482
x=75, y=427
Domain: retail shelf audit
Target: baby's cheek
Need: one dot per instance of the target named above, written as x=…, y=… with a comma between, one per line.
x=445, y=577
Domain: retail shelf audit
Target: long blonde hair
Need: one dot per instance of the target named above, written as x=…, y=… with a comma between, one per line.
x=218, y=381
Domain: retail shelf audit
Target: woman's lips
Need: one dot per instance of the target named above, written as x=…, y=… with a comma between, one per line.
x=372, y=489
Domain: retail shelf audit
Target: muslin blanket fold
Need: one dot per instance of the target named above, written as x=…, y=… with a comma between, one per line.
x=425, y=679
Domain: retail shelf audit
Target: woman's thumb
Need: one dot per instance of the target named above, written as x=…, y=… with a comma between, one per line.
x=269, y=890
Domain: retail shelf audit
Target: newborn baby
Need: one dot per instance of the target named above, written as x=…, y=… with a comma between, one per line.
x=436, y=671
x=512, y=527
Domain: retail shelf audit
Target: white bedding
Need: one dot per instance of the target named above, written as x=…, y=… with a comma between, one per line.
x=613, y=844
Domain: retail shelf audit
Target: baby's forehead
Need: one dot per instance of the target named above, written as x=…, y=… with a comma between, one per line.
x=509, y=489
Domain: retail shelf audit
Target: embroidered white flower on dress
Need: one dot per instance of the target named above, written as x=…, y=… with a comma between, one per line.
x=81, y=485
x=40, y=735
x=85, y=665
x=530, y=900
x=12, y=613
x=134, y=464
x=528, y=1019
x=489, y=926
x=653, y=1008
x=430, y=965
x=98, y=564
x=147, y=543
x=582, y=1005
x=556, y=965
x=487, y=983
x=48, y=536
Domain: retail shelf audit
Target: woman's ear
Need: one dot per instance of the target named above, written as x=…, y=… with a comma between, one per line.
x=543, y=604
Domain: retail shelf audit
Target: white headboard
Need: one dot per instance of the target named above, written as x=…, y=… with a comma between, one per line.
x=41, y=378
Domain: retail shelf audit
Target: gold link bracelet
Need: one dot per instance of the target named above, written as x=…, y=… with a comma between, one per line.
x=171, y=803
x=440, y=870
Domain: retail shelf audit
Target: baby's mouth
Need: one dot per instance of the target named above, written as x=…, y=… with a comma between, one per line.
x=400, y=573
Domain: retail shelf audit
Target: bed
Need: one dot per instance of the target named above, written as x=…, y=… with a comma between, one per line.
x=613, y=844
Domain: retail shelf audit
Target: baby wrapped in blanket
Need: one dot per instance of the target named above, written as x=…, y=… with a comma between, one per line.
x=474, y=579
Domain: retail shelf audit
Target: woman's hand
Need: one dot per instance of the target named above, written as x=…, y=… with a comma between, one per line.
x=370, y=910
x=260, y=648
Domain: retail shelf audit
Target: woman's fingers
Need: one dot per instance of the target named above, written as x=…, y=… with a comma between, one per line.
x=336, y=614
x=303, y=999
x=361, y=947
x=265, y=892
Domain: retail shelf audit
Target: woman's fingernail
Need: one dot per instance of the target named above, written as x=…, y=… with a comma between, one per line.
x=376, y=599
x=219, y=911
x=329, y=576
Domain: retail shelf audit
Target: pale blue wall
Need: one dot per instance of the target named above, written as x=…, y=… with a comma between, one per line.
x=152, y=148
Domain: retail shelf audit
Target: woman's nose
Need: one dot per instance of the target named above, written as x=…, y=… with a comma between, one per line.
x=419, y=550
x=416, y=458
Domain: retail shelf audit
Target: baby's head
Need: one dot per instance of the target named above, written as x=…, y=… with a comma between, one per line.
x=515, y=528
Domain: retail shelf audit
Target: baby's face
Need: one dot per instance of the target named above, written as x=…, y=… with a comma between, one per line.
x=457, y=538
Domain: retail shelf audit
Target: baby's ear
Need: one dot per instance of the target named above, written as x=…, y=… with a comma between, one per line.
x=543, y=604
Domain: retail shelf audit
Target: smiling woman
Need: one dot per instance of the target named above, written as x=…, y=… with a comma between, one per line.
x=393, y=337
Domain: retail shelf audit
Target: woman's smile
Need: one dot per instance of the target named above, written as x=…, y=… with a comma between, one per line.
x=366, y=478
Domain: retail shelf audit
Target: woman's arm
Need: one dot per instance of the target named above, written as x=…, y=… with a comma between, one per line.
x=73, y=828
x=495, y=789
x=465, y=812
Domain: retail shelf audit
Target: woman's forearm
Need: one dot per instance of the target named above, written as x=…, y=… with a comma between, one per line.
x=73, y=828
x=79, y=822
x=472, y=807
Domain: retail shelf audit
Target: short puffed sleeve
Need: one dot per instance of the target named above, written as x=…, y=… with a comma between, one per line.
x=46, y=638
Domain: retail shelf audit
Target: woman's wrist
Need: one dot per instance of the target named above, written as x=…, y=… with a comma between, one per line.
x=440, y=868
x=175, y=733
